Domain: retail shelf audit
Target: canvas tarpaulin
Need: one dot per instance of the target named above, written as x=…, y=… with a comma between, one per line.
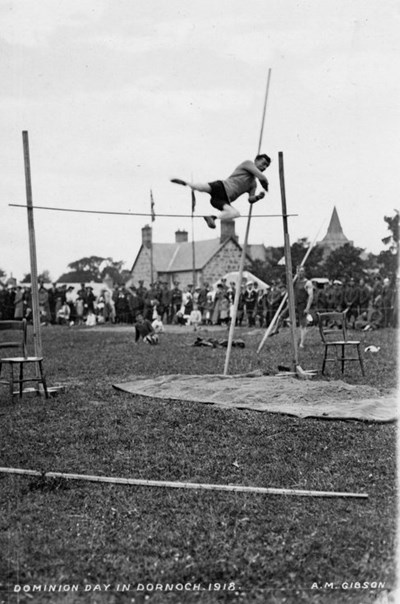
x=308, y=398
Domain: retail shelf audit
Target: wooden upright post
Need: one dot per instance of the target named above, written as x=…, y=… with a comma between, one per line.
x=288, y=266
x=193, y=205
x=194, y=278
x=37, y=339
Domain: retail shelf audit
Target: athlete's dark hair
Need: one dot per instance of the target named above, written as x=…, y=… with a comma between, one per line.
x=264, y=156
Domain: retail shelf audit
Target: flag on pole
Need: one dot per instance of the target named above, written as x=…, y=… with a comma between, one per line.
x=193, y=201
x=153, y=214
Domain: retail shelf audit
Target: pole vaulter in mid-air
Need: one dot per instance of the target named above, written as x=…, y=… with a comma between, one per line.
x=224, y=192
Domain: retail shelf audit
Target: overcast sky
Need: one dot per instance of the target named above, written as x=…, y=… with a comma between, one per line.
x=118, y=96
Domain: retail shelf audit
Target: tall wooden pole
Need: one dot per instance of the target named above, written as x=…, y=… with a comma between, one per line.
x=193, y=257
x=193, y=204
x=288, y=266
x=37, y=339
x=243, y=257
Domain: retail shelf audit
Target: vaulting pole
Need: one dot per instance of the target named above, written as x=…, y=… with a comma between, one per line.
x=243, y=257
x=37, y=339
x=288, y=266
x=181, y=485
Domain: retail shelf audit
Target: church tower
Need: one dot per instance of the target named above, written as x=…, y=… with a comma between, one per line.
x=334, y=237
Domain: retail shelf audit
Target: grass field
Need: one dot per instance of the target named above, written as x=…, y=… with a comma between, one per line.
x=261, y=548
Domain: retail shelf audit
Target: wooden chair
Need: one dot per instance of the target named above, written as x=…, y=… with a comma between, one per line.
x=20, y=361
x=333, y=330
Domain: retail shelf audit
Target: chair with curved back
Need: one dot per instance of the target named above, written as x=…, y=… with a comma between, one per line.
x=10, y=342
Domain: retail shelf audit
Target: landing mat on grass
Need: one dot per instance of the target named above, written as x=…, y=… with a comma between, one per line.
x=291, y=396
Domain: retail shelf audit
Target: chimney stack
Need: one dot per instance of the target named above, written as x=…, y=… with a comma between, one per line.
x=181, y=236
x=146, y=236
x=228, y=230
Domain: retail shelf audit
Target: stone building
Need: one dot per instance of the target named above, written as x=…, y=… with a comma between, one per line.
x=213, y=258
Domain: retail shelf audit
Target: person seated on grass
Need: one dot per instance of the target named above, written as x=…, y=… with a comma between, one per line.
x=179, y=318
x=375, y=319
x=195, y=319
x=144, y=331
x=224, y=192
x=91, y=319
x=64, y=314
x=158, y=325
x=362, y=321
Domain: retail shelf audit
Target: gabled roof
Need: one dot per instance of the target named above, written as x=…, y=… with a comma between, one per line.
x=174, y=257
x=182, y=257
x=163, y=255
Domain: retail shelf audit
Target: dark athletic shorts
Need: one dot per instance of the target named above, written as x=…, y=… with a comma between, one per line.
x=301, y=318
x=219, y=198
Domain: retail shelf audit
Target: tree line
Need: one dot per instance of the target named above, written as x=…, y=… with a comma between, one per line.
x=342, y=263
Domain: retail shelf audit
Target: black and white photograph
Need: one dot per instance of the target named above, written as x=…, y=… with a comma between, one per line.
x=199, y=280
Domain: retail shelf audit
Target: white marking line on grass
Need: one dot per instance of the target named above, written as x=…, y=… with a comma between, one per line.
x=182, y=485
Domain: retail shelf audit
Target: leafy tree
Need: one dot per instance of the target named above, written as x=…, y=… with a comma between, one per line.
x=113, y=272
x=268, y=270
x=92, y=268
x=314, y=261
x=274, y=267
x=344, y=262
x=388, y=263
x=393, y=226
x=389, y=259
x=77, y=277
x=125, y=275
x=112, y=269
x=262, y=270
x=43, y=276
x=89, y=265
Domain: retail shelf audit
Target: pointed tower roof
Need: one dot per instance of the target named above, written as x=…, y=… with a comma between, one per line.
x=334, y=237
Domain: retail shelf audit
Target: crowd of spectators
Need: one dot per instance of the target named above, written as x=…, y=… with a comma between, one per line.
x=371, y=303
x=57, y=304
x=205, y=305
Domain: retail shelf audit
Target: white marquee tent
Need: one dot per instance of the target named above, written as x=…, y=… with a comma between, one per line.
x=246, y=277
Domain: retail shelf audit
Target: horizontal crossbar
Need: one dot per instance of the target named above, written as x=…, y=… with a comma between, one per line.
x=17, y=205
x=16, y=381
x=336, y=359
